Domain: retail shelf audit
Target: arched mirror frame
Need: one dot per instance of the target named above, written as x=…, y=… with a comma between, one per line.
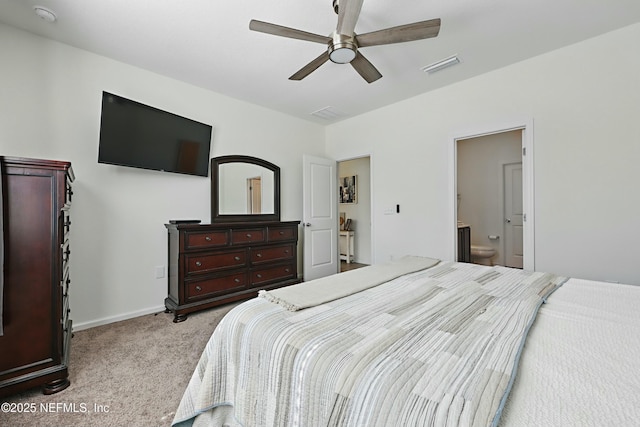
x=216, y=216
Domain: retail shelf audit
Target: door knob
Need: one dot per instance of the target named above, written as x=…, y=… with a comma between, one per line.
x=508, y=220
x=307, y=224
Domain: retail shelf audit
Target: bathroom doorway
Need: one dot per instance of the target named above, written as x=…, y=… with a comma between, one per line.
x=490, y=195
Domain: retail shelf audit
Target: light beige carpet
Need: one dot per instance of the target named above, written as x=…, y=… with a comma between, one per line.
x=129, y=373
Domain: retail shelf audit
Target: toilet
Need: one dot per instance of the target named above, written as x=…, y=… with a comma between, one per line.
x=482, y=254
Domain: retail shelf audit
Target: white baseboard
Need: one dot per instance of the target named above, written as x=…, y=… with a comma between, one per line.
x=118, y=318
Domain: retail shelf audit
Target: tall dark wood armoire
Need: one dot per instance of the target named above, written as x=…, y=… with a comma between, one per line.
x=34, y=346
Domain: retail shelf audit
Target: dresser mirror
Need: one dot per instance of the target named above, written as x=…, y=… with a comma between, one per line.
x=244, y=188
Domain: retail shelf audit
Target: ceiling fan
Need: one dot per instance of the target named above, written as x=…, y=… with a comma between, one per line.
x=343, y=43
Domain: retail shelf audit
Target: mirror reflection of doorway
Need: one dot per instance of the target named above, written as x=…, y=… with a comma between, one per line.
x=254, y=195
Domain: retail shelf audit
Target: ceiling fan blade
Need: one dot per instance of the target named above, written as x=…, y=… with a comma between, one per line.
x=348, y=13
x=402, y=33
x=292, y=33
x=310, y=67
x=365, y=68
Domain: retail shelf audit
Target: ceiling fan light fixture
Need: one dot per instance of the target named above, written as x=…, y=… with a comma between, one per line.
x=342, y=49
x=342, y=55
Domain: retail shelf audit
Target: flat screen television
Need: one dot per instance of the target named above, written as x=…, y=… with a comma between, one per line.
x=137, y=135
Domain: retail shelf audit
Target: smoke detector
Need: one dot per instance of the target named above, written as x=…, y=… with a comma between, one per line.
x=44, y=13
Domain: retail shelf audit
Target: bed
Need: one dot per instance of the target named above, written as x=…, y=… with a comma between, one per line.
x=418, y=342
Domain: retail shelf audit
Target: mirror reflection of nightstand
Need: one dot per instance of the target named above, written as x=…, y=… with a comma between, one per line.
x=346, y=245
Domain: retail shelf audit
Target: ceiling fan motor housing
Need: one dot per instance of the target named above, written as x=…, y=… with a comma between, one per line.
x=342, y=48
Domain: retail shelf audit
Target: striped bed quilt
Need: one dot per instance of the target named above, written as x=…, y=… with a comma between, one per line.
x=435, y=347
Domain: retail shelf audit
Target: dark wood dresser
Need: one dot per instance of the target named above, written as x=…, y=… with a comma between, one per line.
x=36, y=197
x=210, y=265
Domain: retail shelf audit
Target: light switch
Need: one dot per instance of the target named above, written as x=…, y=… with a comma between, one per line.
x=159, y=271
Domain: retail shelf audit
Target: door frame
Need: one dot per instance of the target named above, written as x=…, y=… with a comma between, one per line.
x=528, y=195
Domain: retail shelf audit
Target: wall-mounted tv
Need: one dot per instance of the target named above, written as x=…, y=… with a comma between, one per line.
x=137, y=135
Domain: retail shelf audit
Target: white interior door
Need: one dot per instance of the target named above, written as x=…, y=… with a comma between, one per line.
x=513, y=242
x=320, y=217
x=254, y=195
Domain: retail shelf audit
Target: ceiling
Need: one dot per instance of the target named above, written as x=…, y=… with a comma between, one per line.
x=208, y=43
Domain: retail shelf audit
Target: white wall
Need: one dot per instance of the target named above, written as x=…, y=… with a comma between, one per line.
x=584, y=101
x=50, y=97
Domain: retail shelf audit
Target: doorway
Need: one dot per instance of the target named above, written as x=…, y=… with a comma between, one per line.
x=355, y=243
x=490, y=162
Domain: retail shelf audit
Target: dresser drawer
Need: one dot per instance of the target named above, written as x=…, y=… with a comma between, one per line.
x=250, y=235
x=283, y=233
x=209, y=239
x=266, y=275
x=214, y=286
x=271, y=253
x=210, y=262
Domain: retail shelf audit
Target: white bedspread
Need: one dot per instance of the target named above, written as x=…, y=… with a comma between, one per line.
x=581, y=362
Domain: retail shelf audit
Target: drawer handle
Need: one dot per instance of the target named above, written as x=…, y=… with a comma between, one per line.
x=237, y=258
x=282, y=233
x=286, y=270
x=198, y=264
x=237, y=280
x=198, y=288
x=259, y=255
x=259, y=276
x=207, y=238
x=286, y=251
x=248, y=235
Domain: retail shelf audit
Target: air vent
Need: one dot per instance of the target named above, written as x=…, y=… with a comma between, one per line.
x=440, y=65
x=329, y=113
